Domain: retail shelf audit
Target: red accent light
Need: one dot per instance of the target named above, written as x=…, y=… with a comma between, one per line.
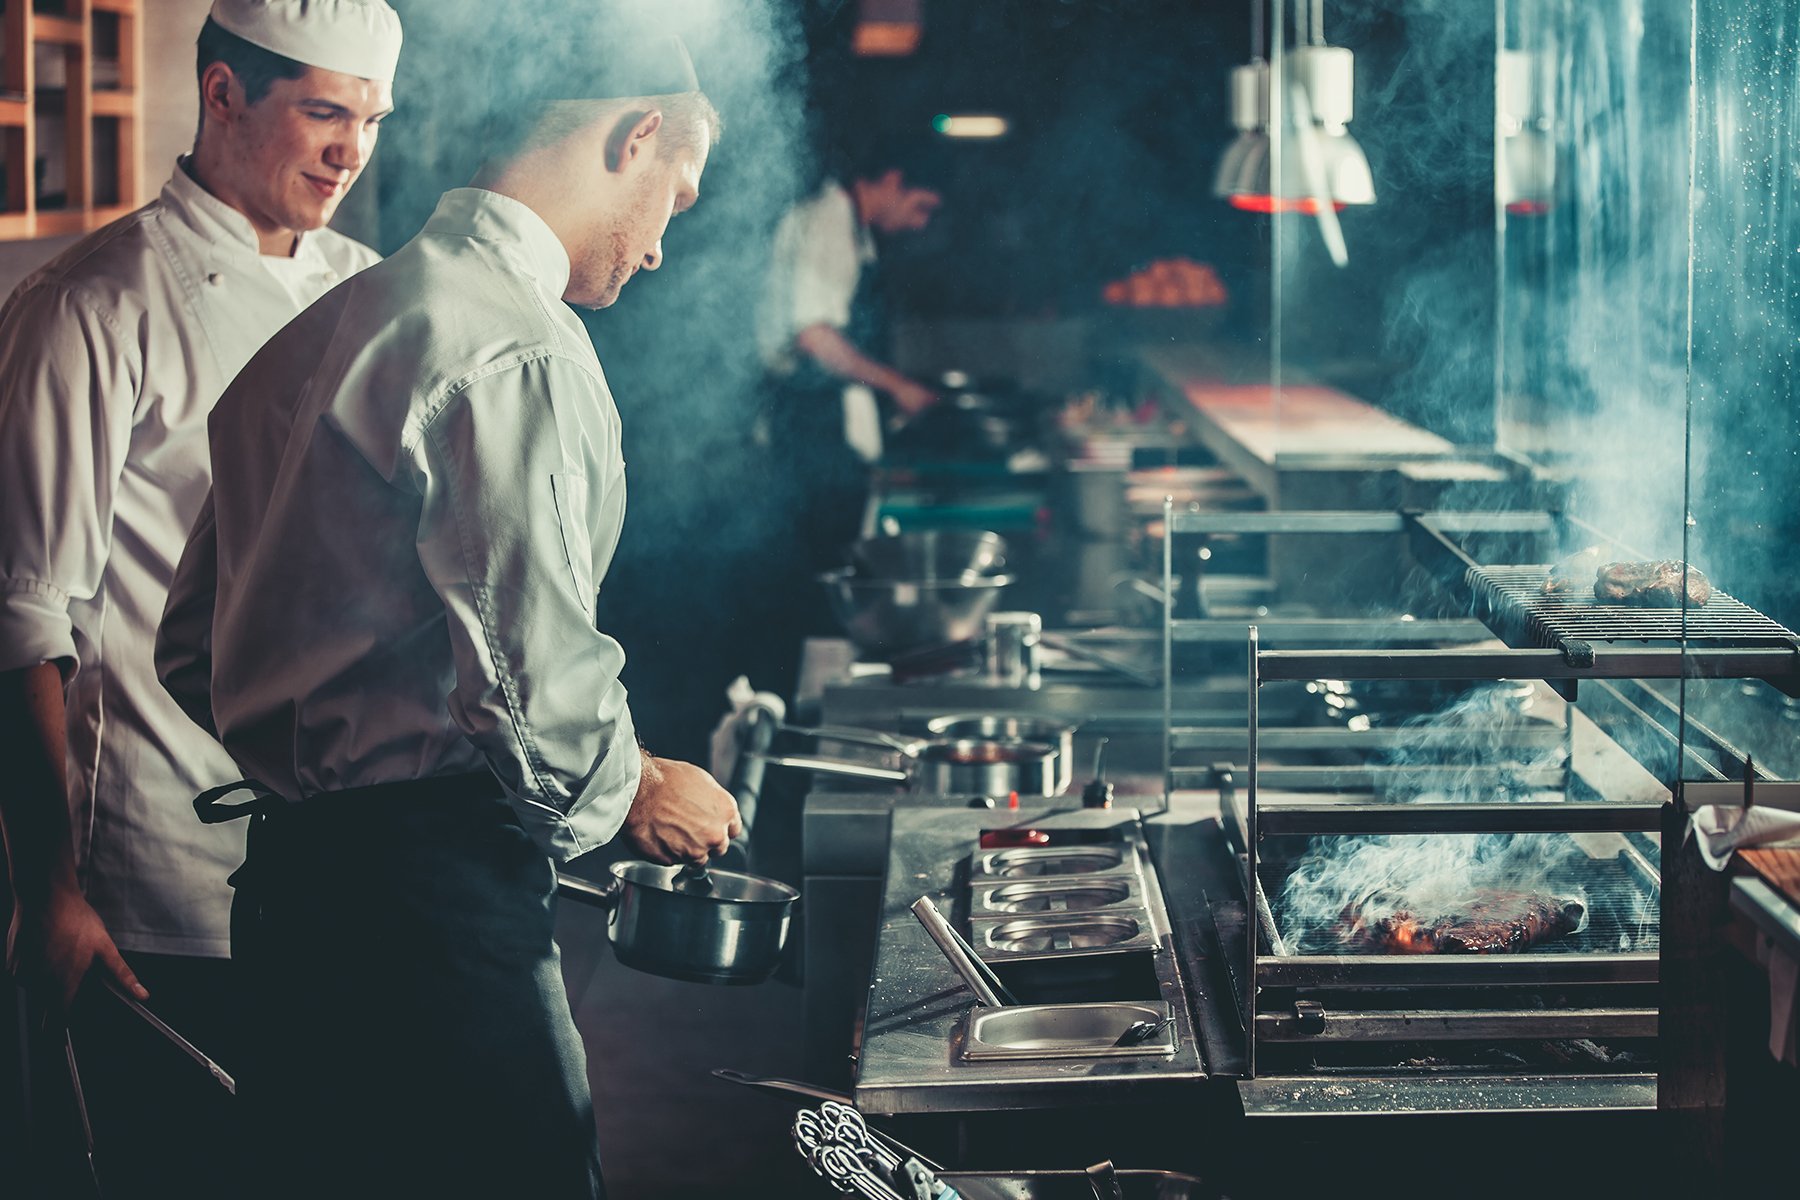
x=1528, y=208
x=1276, y=204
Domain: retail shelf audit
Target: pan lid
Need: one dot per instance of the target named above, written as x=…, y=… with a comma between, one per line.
x=734, y=887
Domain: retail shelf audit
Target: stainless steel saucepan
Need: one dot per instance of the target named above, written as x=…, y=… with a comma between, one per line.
x=687, y=922
x=1005, y=727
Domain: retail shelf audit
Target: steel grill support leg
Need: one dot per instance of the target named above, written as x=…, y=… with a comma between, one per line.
x=1252, y=884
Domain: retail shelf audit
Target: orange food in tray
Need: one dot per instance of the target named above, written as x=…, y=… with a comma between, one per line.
x=1167, y=283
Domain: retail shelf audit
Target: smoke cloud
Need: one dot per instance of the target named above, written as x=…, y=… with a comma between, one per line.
x=1476, y=749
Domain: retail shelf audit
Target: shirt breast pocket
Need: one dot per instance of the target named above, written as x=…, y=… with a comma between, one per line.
x=571, y=495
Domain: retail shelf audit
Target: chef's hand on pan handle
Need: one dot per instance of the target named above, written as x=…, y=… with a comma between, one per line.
x=680, y=814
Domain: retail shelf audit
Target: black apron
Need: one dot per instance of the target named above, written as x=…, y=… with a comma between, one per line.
x=830, y=481
x=817, y=489
x=413, y=1035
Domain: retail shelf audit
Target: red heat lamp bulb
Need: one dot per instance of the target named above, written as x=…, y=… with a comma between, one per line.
x=1278, y=204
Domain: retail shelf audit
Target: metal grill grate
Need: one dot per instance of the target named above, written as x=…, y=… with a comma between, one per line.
x=1518, y=610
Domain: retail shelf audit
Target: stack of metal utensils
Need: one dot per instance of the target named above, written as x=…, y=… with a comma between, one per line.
x=860, y=1161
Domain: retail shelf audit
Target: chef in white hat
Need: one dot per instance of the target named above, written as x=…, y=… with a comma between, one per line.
x=111, y=358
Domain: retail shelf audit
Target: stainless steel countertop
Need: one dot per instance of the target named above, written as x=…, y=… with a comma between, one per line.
x=909, y=1061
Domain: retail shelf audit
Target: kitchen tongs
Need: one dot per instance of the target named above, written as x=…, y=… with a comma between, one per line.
x=977, y=974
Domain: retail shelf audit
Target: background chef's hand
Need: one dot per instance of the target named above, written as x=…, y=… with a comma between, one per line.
x=680, y=814
x=912, y=398
x=50, y=948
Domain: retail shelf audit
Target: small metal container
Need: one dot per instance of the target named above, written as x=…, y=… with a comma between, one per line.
x=1029, y=1031
x=1060, y=934
x=1012, y=647
x=1033, y=862
x=1054, y=896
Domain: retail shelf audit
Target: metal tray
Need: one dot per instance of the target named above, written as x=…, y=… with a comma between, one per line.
x=1066, y=933
x=1053, y=862
x=1033, y=1031
x=1054, y=895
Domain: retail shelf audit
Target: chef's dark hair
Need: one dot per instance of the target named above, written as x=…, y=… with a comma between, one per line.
x=850, y=156
x=256, y=69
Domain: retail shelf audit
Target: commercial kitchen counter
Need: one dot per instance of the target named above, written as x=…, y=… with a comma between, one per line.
x=909, y=1060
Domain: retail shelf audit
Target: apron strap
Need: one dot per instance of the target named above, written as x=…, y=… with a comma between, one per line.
x=261, y=803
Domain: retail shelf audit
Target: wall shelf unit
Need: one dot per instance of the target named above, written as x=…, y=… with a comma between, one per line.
x=71, y=115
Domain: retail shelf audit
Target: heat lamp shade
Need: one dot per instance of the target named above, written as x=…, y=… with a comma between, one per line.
x=1347, y=174
x=1231, y=164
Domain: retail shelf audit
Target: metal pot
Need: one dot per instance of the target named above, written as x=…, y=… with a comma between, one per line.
x=1010, y=728
x=690, y=923
x=944, y=766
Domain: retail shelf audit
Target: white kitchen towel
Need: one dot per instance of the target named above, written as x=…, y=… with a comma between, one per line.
x=727, y=735
x=862, y=422
x=1784, y=1021
x=1721, y=830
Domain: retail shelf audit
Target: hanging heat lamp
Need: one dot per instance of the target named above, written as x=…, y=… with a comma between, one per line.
x=1524, y=142
x=1321, y=91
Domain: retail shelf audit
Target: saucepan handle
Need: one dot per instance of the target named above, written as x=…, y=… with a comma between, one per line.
x=600, y=895
x=832, y=766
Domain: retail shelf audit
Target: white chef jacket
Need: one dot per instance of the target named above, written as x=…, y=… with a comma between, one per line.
x=417, y=489
x=110, y=358
x=819, y=255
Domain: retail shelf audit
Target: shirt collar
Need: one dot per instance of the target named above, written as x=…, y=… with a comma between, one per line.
x=524, y=240
x=212, y=218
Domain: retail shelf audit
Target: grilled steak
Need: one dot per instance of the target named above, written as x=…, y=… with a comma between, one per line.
x=1489, y=923
x=1653, y=584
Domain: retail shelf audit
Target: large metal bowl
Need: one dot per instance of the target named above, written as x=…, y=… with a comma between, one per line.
x=912, y=590
x=891, y=616
x=929, y=554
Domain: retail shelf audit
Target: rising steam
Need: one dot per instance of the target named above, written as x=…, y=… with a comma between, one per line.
x=1475, y=750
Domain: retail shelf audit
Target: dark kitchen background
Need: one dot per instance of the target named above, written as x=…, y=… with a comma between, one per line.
x=1118, y=114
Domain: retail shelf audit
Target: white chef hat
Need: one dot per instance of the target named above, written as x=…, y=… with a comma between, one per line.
x=356, y=37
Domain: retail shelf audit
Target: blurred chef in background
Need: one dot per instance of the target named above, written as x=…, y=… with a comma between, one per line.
x=819, y=332
x=111, y=357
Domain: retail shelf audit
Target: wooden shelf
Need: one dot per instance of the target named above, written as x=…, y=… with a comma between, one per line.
x=76, y=105
x=113, y=104
x=64, y=31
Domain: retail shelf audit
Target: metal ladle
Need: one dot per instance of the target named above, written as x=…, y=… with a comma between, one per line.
x=978, y=975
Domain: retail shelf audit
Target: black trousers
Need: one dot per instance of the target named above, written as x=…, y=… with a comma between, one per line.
x=412, y=1034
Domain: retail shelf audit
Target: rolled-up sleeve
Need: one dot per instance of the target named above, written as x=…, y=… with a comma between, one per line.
x=67, y=387
x=522, y=491
x=184, y=639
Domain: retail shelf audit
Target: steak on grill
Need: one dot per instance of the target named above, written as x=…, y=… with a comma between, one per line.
x=1488, y=923
x=1653, y=584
